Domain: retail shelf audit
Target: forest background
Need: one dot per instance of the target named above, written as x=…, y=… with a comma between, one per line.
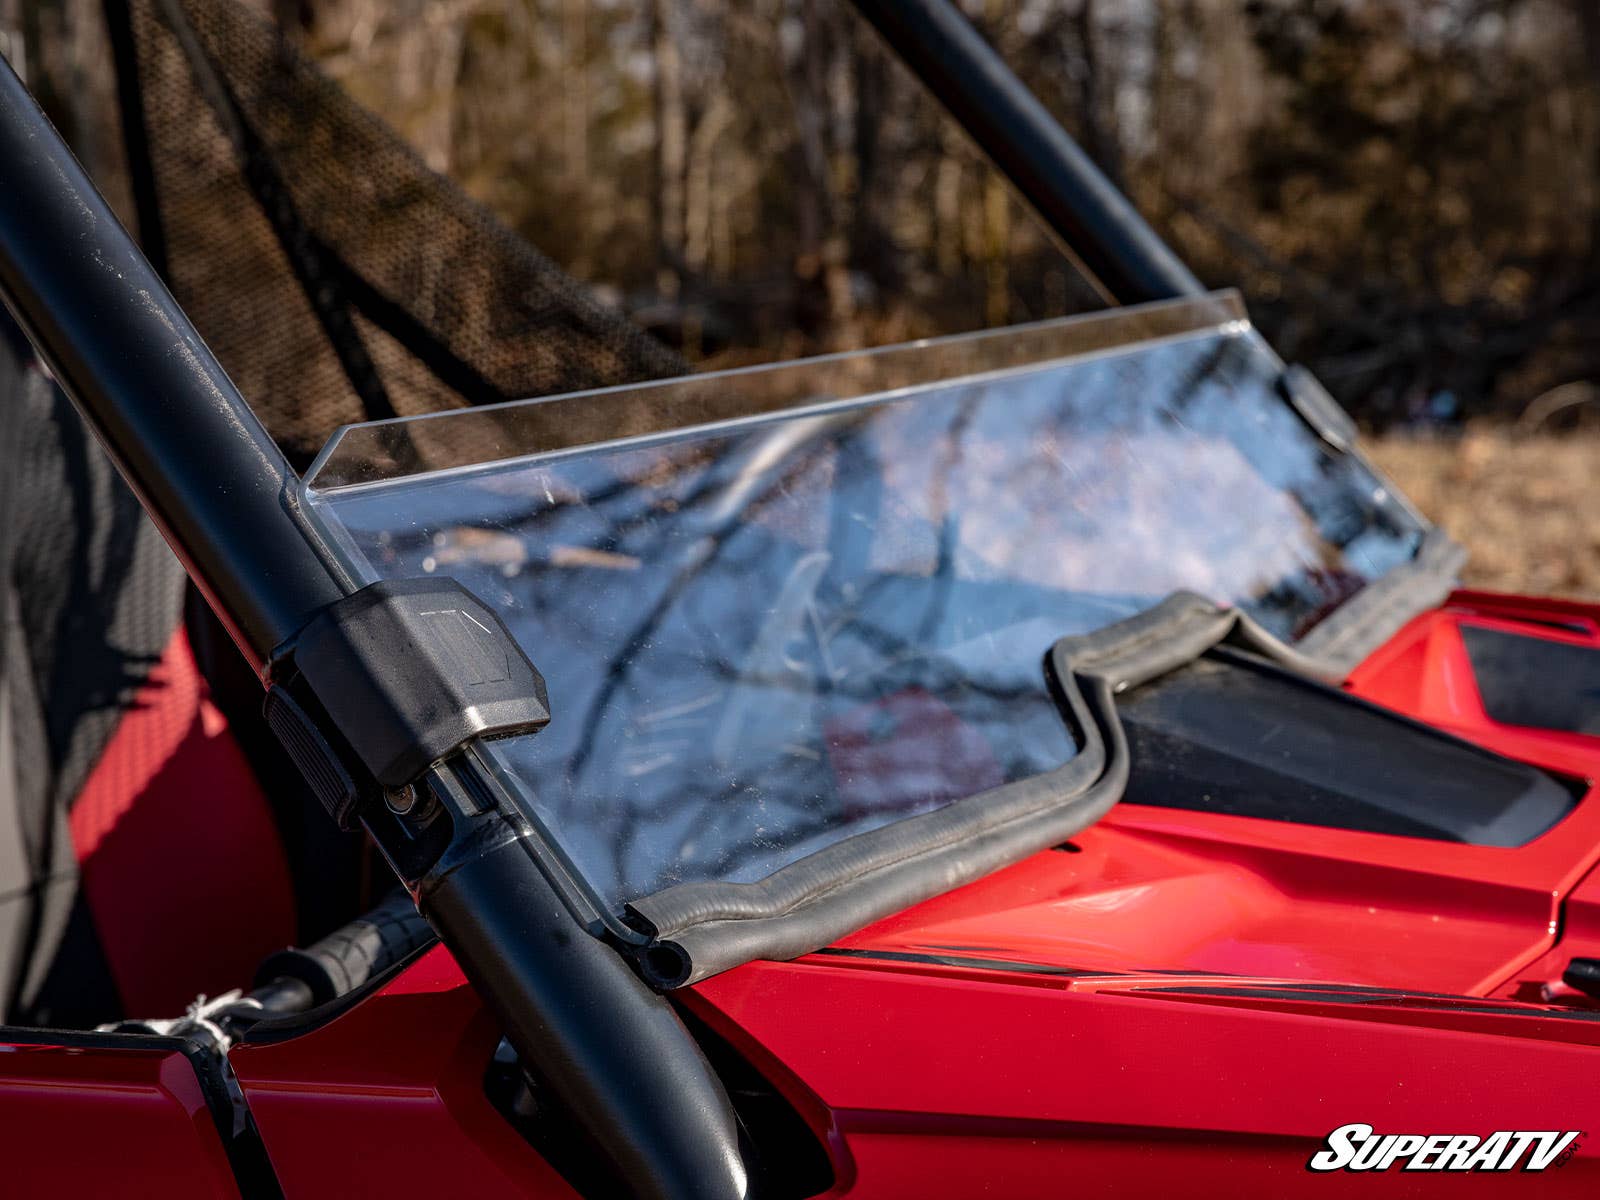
x=1407, y=192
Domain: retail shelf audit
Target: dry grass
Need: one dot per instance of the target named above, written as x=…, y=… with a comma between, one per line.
x=1525, y=506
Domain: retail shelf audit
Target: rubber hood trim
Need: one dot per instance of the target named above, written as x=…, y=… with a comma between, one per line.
x=701, y=929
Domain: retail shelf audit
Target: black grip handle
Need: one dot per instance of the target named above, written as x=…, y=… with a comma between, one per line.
x=352, y=954
x=1583, y=974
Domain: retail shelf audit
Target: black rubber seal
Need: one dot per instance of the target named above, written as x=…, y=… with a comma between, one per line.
x=800, y=908
x=1375, y=614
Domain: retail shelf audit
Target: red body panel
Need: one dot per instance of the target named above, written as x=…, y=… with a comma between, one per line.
x=1187, y=1004
x=1424, y=671
x=389, y=1098
x=957, y=1080
x=1127, y=1091
x=107, y=1122
x=172, y=799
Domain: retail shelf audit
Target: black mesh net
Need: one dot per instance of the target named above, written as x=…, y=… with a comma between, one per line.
x=89, y=597
x=338, y=279
x=334, y=274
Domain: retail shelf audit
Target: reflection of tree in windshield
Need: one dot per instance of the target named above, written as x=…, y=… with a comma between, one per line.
x=759, y=642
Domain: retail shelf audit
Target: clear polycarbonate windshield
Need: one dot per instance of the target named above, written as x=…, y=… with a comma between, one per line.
x=782, y=606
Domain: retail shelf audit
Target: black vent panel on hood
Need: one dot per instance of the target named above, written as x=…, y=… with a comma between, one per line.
x=1535, y=682
x=1230, y=734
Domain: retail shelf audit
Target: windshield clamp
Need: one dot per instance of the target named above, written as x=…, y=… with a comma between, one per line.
x=1316, y=406
x=380, y=685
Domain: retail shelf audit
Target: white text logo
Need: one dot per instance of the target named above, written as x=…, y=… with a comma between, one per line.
x=1356, y=1147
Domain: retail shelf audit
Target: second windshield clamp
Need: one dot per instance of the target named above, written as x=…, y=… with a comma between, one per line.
x=1316, y=406
x=380, y=685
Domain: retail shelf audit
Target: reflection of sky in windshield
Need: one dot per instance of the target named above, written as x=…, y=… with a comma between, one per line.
x=759, y=642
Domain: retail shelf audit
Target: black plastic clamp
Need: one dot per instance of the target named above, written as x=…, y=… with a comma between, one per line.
x=379, y=686
x=1317, y=408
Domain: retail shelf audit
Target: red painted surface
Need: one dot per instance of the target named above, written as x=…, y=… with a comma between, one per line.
x=1201, y=999
x=390, y=1096
x=177, y=848
x=1126, y=1090
x=1425, y=671
x=941, y=1080
x=103, y=1122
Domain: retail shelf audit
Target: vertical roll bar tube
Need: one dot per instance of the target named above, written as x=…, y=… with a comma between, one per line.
x=216, y=484
x=1097, y=222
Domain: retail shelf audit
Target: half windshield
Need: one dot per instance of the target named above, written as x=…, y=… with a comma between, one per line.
x=779, y=607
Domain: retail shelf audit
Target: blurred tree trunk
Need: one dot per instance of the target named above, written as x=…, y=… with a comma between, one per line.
x=669, y=150
x=816, y=253
x=868, y=246
x=700, y=206
x=575, y=90
x=996, y=251
x=947, y=225
x=1099, y=141
x=1588, y=15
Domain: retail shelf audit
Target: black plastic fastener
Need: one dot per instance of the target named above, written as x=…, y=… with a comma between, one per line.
x=384, y=683
x=1317, y=408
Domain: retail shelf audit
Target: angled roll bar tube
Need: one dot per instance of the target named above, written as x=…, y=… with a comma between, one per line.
x=176, y=427
x=220, y=491
x=1097, y=222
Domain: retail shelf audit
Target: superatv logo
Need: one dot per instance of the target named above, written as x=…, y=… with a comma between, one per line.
x=1357, y=1147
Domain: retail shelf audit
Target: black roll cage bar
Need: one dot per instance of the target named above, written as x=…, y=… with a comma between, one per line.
x=614, y=1052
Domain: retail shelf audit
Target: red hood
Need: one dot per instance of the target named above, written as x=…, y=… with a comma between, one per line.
x=1165, y=890
x=1187, y=1003
x=1195, y=985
